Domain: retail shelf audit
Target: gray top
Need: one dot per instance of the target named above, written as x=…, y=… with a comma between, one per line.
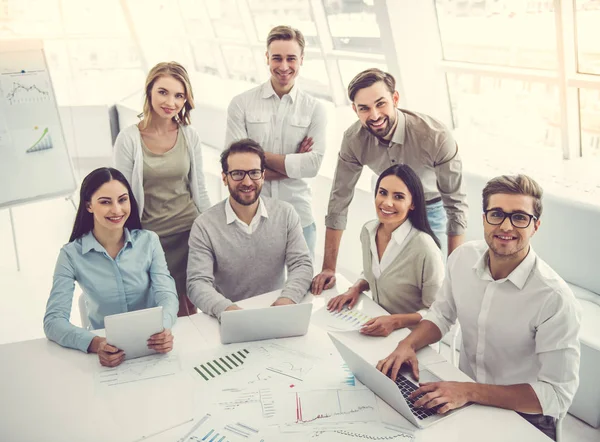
x=169, y=207
x=227, y=265
x=410, y=283
x=420, y=141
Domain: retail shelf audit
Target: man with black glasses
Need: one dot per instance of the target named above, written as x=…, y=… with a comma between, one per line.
x=519, y=319
x=240, y=247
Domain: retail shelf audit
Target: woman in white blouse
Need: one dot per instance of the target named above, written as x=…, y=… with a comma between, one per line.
x=161, y=157
x=402, y=262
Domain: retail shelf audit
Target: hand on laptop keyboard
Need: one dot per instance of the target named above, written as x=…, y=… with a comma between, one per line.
x=444, y=395
x=407, y=387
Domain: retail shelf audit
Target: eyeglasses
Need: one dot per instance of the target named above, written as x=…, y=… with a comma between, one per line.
x=520, y=220
x=239, y=175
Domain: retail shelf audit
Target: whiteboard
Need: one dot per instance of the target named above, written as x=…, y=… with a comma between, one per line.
x=34, y=161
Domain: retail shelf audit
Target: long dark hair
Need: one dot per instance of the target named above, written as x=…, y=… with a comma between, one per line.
x=417, y=216
x=84, y=220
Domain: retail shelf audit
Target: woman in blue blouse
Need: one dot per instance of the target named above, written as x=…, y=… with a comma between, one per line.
x=119, y=266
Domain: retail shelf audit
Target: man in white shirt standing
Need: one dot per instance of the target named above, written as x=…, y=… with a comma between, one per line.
x=519, y=319
x=288, y=123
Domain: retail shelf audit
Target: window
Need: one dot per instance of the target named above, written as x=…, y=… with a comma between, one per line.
x=226, y=19
x=516, y=33
x=314, y=77
x=353, y=25
x=500, y=114
x=350, y=68
x=295, y=13
x=240, y=63
x=587, y=20
x=589, y=109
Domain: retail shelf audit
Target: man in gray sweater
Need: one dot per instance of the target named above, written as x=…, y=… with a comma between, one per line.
x=240, y=247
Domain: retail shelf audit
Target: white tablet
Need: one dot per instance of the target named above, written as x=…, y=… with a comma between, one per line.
x=265, y=323
x=130, y=331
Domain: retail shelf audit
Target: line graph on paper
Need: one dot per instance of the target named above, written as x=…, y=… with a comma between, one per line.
x=21, y=89
x=317, y=407
x=372, y=431
x=140, y=369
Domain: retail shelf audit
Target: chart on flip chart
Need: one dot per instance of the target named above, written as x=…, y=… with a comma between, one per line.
x=34, y=160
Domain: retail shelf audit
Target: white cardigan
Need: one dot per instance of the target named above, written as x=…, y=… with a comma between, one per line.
x=129, y=160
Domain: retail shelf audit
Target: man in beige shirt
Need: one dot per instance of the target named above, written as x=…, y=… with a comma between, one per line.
x=385, y=136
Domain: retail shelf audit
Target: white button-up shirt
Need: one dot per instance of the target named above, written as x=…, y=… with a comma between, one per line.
x=231, y=217
x=520, y=329
x=393, y=248
x=279, y=126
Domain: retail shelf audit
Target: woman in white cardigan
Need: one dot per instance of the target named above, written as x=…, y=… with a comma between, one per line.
x=402, y=261
x=161, y=157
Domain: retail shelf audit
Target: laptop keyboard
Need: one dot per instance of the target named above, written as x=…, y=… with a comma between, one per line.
x=406, y=388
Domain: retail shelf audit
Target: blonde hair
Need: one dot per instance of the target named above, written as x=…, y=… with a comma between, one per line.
x=514, y=185
x=286, y=33
x=178, y=72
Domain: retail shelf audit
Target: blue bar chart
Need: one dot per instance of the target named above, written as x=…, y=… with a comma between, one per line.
x=211, y=429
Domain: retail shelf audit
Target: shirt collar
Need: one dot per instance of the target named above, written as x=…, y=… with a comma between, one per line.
x=399, y=235
x=89, y=242
x=400, y=132
x=232, y=217
x=518, y=276
x=268, y=91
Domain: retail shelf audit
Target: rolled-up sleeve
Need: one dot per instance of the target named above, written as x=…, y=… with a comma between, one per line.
x=347, y=173
x=236, y=122
x=163, y=285
x=58, y=309
x=307, y=165
x=201, y=199
x=558, y=350
x=297, y=260
x=200, y=274
x=432, y=278
x=123, y=158
x=448, y=170
x=443, y=310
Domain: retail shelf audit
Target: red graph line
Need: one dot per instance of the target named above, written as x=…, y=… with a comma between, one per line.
x=298, y=409
x=300, y=419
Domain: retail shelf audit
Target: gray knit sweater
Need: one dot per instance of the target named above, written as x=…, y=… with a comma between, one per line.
x=227, y=265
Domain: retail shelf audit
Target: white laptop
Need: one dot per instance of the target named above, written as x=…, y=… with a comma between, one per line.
x=394, y=393
x=282, y=321
x=130, y=331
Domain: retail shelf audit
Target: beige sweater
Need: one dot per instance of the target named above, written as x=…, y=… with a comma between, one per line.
x=411, y=282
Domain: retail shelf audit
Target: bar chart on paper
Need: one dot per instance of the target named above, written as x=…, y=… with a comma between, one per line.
x=211, y=429
x=344, y=320
x=219, y=366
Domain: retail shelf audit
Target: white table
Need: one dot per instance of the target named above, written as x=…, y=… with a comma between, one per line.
x=47, y=392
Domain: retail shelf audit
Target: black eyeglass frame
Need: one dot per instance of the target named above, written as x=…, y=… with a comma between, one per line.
x=509, y=215
x=245, y=172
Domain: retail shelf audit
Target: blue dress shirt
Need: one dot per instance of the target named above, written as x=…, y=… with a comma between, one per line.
x=136, y=279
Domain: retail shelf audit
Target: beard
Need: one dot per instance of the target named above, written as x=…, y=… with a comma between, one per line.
x=504, y=253
x=385, y=131
x=241, y=197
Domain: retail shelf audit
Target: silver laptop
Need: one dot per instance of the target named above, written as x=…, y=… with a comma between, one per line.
x=265, y=323
x=130, y=331
x=394, y=393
